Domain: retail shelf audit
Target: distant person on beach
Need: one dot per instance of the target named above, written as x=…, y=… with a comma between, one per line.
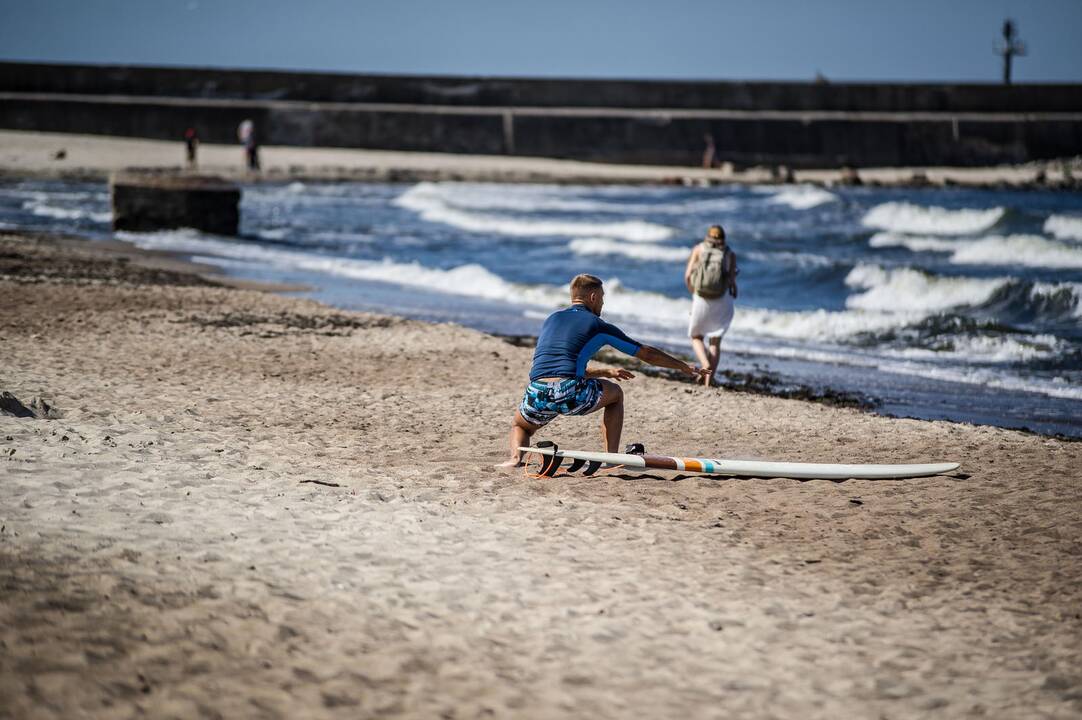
x=191, y=144
x=560, y=384
x=246, y=135
x=710, y=154
x=710, y=277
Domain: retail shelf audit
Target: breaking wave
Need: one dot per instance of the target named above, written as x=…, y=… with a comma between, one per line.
x=803, y=197
x=902, y=217
x=906, y=289
x=434, y=207
x=639, y=251
x=1055, y=299
x=1025, y=250
x=60, y=213
x=557, y=198
x=1064, y=227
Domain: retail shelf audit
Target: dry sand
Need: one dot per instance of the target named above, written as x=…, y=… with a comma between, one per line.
x=257, y=506
x=24, y=154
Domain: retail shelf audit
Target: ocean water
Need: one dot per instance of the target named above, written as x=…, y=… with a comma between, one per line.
x=935, y=303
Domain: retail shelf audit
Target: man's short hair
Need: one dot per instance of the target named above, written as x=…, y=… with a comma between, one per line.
x=584, y=284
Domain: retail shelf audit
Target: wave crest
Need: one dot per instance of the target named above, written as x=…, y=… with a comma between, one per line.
x=1024, y=250
x=434, y=206
x=803, y=197
x=639, y=251
x=906, y=289
x=905, y=217
x=1064, y=227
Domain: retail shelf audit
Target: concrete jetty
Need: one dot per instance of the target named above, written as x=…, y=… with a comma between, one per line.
x=145, y=201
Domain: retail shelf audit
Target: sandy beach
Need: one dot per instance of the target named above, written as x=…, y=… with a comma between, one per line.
x=243, y=504
x=94, y=157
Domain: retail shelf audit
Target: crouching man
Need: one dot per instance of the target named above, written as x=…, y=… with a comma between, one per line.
x=560, y=384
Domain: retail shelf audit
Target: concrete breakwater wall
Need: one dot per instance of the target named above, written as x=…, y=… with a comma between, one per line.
x=227, y=84
x=801, y=125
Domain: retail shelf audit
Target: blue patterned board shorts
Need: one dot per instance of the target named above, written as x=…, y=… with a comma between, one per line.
x=545, y=400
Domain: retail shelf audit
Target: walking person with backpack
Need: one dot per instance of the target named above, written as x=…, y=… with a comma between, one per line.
x=710, y=277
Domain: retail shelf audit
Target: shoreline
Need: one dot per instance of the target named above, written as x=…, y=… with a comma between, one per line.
x=121, y=254
x=32, y=155
x=238, y=503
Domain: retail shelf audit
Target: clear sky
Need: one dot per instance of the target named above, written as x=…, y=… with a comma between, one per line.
x=907, y=40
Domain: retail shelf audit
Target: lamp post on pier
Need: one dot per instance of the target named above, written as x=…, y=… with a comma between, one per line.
x=1009, y=47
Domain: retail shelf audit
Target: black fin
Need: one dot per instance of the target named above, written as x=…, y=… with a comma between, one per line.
x=593, y=467
x=635, y=449
x=549, y=469
x=547, y=466
x=576, y=465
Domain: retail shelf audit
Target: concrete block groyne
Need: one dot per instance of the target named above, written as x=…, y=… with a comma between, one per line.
x=148, y=201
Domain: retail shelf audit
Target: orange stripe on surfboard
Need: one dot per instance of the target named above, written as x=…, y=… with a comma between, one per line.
x=692, y=465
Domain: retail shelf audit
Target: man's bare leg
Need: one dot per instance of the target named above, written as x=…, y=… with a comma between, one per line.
x=612, y=422
x=521, y=432
x=702, y=355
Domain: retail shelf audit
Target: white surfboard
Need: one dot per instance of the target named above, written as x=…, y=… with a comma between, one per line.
x=736, y=468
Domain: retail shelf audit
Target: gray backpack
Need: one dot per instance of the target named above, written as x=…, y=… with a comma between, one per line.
x=708, y=277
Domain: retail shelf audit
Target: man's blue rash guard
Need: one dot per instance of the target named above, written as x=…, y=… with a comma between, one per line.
x=569, y=338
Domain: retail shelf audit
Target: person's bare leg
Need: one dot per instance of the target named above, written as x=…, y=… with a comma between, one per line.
x=701, y=353
x=612, y=426
x=715, y=357
x=521, y=432
x=612, y=420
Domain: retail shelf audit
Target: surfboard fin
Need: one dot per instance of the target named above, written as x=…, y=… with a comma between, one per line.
x=592, y=467
x=549, y=463
x=576, y=465
x=635, y=449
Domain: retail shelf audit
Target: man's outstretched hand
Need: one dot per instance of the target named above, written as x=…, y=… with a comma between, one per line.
x=611, y=374
x=700, y=374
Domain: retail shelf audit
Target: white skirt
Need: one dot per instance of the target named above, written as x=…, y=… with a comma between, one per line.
x=710, y=318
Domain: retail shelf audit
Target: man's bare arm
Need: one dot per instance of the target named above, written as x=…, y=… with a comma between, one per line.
x=609, y=373
x=660, y=358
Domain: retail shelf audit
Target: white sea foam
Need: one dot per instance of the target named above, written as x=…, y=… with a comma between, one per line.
x=1027, y=250
x=42, y=197
x=1064, y=227
x=819, y=325
x=639, y=251
x=914, y=243
x=934, y=368
x=904, y=217
x=804, y=260
x=275, y=233
x=987, y=349
x=60, y=213
x=803, y=197
x=1024, y=250
x=988, y=378
x=476, y=281
x=906, y=289
x=558, y=198
x=469, y=280
x=343, y=237
x=668, y=253
x=432, y=207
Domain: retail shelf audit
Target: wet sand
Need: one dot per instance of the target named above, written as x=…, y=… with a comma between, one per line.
x=257, y=506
